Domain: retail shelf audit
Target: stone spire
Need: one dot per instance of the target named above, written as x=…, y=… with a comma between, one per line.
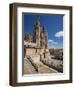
x=38, y=21
x=45, y=37
x=38, y=31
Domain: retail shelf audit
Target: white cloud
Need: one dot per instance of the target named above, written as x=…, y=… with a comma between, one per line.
x=59, y=34
x=52, y=42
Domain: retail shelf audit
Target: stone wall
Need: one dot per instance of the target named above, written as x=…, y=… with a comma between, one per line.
x=33, y=51
x=30, y=51
x=36, y=52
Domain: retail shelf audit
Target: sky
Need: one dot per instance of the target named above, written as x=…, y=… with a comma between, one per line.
x=53, y=24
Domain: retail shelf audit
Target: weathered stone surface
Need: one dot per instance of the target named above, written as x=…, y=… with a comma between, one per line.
x=30, y=69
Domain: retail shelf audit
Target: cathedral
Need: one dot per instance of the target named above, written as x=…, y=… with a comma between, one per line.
x=39, y=36
x=36, y=49
x=36, y=43
x=37, y=56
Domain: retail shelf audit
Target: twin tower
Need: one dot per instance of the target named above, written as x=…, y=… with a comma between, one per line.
x=39, y=35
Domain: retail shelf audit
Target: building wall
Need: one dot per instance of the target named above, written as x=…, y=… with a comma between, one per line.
x=30, y=51
x=33, y=51
x=36, y=53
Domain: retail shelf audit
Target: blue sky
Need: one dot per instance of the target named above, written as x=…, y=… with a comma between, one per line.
x=53, y=25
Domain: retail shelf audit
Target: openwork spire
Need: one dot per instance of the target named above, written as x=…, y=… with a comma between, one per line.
x=38, y=21
x=38, y=18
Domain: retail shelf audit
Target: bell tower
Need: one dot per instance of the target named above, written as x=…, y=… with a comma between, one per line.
x=38, y=31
